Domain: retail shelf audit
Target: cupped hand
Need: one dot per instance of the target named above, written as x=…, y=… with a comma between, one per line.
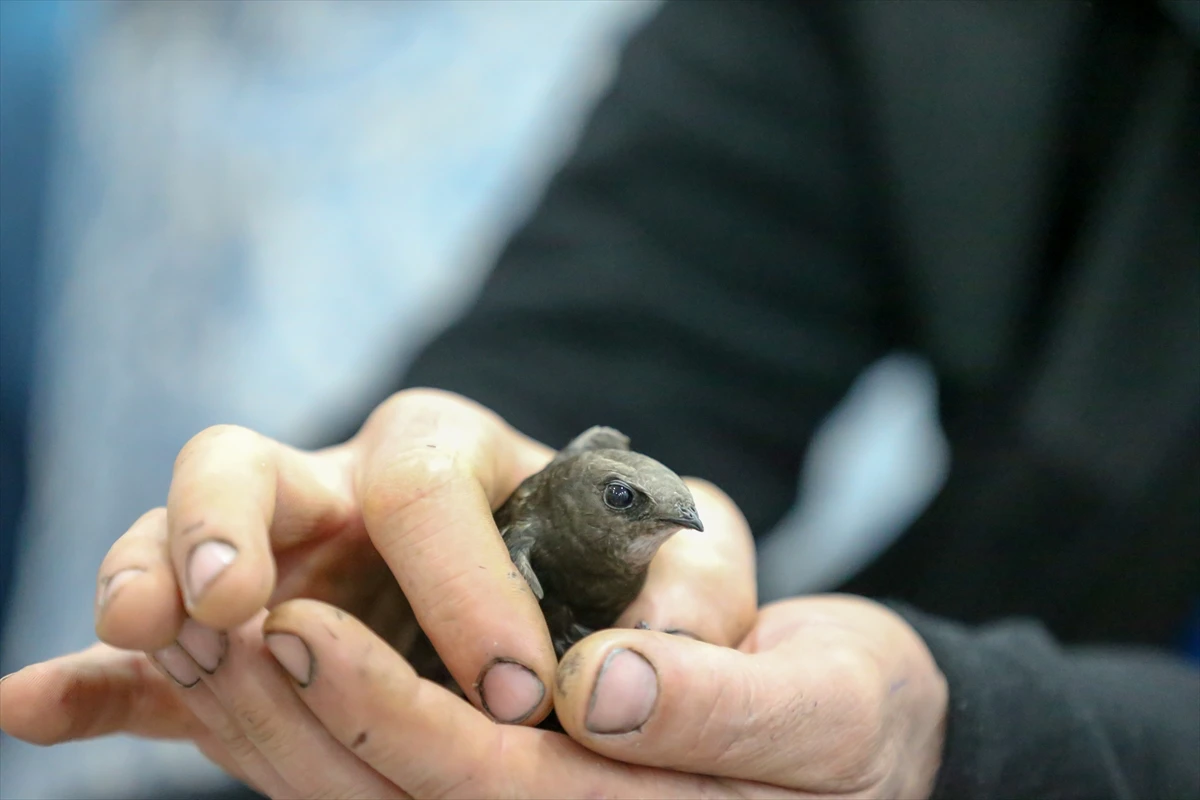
x=394, y=527
x=826, y=697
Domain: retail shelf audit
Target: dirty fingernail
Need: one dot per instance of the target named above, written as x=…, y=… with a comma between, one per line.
x=204, y=645
x=206, y=562
x=293, y=655
x=510, y=692
x=178, y=666
x=113, y=583
x=625, y=692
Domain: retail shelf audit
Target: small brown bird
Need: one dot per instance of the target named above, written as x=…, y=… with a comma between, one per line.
x=583, y=531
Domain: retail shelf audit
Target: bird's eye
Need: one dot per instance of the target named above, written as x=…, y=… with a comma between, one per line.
x=617, y=495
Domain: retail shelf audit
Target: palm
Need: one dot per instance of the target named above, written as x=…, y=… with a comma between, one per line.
x=341, y=566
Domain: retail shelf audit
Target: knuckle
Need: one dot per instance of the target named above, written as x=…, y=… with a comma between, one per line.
x=259, y=726
x=723, y=716
x=151, y=522
x=232, y=737
x=863, y=730
x=408, y=479
x=325, y=791
x=487, y=776
x=451, y=592
x=142, y=539
x=473, y=777
x=391, y=409
x=418, y=407
x=208, y=438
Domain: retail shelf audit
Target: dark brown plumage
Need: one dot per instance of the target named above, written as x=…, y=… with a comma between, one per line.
x=582, y=533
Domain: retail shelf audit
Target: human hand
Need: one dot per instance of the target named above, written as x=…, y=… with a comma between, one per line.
x=413, y=492
x=827, y=696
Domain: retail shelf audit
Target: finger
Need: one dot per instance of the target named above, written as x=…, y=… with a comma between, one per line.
x=137, y=604
x=95, y=692
x=235, y=496
x=782, y=717
x=371, y=700
x=702, y=583
x=234, y=750
x=431, y=743
x=215, y=751
x=258, y=697
x=433, y=468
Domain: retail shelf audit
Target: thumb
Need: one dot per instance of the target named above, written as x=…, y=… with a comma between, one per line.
x=784, y=717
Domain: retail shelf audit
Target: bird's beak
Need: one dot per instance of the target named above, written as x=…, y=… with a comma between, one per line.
x=687, y=518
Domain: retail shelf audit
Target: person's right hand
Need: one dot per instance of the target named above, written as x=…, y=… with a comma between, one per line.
x=394, y=526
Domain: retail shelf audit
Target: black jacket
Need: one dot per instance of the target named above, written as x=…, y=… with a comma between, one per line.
x=773, y=195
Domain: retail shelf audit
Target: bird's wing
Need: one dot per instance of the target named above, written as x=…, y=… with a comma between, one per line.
x=520, y=539
x=597, y=437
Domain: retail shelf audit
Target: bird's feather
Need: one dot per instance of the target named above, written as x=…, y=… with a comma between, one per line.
x=597, y=437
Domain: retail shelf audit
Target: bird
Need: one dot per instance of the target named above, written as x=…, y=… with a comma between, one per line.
x=582, y=532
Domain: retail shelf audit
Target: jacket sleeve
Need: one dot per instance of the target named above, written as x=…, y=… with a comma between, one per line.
x=698, y=274
x=1031, y=718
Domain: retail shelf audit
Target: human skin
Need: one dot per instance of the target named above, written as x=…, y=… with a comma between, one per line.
x=831, y=696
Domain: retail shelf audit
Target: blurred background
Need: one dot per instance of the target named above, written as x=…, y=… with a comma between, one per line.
x=255, y=213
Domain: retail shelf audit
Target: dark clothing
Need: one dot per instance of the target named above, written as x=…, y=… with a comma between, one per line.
x=774, y=195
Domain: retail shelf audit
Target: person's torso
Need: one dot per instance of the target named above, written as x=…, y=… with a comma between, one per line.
x=1044, y=209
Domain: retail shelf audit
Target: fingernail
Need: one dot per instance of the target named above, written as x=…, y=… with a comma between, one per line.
x=204, y=645
x=293, y=655
x=113, y=583
x=206, y=561
x=625, y=692
x=509, y=691
x=178, y=666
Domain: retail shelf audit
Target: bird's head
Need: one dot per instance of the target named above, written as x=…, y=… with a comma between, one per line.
x=636, y=502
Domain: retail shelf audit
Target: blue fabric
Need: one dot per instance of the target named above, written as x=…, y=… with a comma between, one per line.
x=256, y=212
x=30, y=66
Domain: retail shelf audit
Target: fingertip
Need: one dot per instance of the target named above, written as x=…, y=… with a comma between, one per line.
x=226, y=583
x=624, y=694
x=144, y=613
x=220, y=509
x=512, y=694
x=22, y=719
x=514, y=691
x=611, y=682
x=581, y=666
x=43, y=706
